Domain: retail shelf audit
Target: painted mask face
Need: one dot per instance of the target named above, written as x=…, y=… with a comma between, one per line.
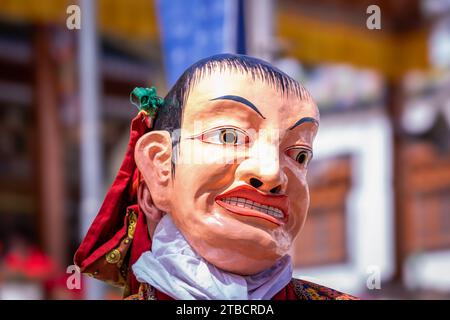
x=239, y=192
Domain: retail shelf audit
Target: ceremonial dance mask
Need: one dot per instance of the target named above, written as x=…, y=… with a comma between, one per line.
x=232, y=171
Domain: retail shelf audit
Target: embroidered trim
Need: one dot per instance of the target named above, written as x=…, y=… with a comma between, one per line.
x=146, y=292
x=306, y=290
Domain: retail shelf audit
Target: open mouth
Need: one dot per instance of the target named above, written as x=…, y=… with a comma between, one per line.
x=247, y=201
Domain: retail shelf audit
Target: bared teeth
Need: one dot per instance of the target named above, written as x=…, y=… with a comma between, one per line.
x=245, y=203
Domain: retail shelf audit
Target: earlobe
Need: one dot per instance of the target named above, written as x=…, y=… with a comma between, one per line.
x=152, y=214
x=153, y=156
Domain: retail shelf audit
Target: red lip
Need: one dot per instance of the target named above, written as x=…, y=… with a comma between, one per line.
x=280, y=202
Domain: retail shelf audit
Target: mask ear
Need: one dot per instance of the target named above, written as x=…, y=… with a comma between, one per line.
x=153, y=156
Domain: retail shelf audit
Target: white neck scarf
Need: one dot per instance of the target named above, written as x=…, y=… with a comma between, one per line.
x=174, y=268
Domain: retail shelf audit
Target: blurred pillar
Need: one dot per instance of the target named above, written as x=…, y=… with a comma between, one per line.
x=90, y=147
x=259, y=26
x=50, y=162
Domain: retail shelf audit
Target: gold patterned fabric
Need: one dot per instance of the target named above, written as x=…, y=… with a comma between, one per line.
x=296, y=290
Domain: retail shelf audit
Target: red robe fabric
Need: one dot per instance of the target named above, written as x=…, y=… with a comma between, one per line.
x=118, y=235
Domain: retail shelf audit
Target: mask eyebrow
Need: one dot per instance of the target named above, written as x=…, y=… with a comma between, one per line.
x=240, y=100
x=303, y=120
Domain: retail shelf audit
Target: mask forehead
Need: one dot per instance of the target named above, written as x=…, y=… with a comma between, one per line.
x=275, y=110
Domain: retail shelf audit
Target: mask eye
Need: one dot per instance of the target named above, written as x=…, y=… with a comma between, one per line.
x=228, y=136
x=225, y=136
x=302, y=156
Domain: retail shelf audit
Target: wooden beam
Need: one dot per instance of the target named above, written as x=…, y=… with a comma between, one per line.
x=401, y=223
x=50, y=151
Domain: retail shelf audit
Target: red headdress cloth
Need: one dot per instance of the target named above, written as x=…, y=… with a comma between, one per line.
x=119, y=234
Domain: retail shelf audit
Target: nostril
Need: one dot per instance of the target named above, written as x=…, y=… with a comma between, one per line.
x=256, y=183
x=275, y=190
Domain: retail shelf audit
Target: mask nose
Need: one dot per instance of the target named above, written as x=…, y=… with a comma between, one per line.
x=264, y=176
x=262, y=169
x=256, y=183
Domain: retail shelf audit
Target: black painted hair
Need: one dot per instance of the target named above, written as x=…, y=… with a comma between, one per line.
x=170, y=115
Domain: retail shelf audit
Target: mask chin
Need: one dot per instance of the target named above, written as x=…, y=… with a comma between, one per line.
x=283, y=240
x=215, y=236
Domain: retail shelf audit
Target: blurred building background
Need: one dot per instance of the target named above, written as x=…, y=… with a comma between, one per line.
x=380, y=179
